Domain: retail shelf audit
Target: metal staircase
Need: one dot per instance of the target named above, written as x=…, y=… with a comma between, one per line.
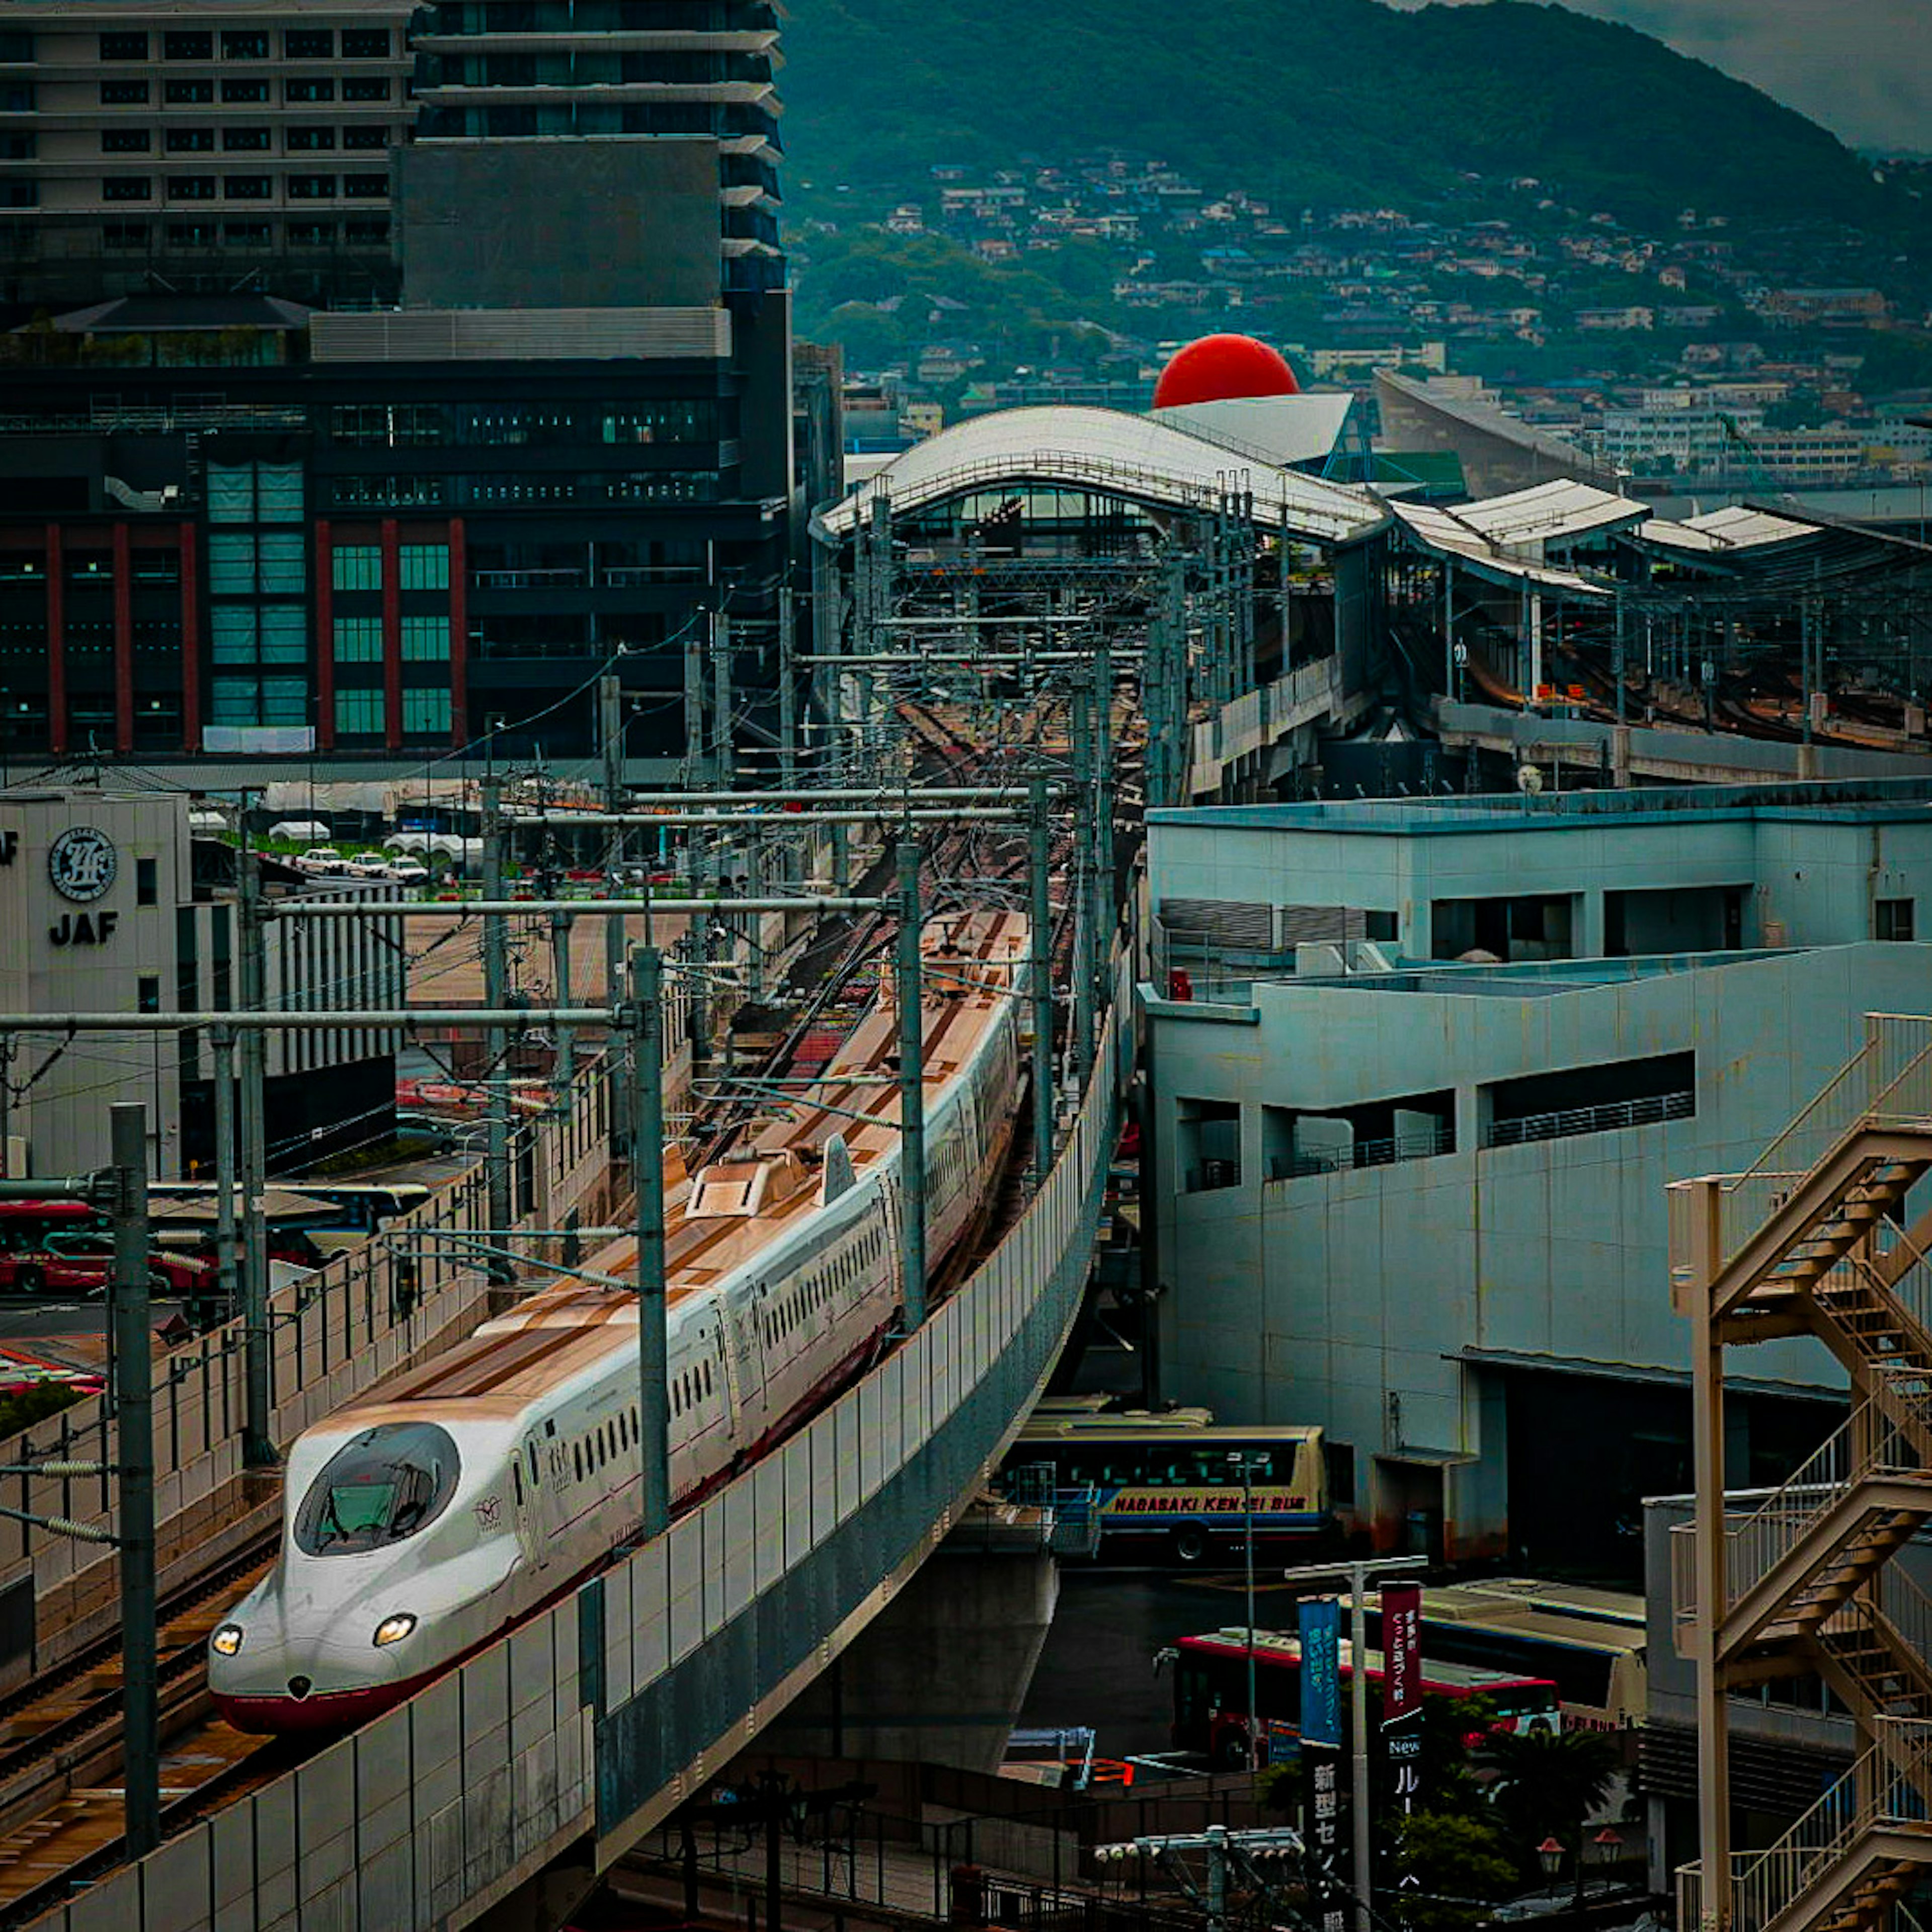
x=1828, y=1234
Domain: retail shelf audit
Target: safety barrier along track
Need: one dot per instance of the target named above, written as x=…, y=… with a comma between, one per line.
x=580, y=1730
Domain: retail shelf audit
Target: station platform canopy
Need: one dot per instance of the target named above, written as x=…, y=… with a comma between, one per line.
x=1511, y=539
x=1130, y=458
x=1777, y=549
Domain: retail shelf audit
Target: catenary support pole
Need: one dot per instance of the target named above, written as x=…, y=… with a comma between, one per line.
x=134, y=1449
x=225, y=1177
x=1100, y=960
x=908, y=991
x=564, y=1070
x=1039, y=916
x=647, y=1171
x=788, y=688
x=258, y=1446
x=496, y=1039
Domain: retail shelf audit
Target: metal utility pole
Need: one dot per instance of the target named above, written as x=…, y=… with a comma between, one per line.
x=1244, y=1460
x=1040, y=936
x=223, y=1039
x=496, y=1038
x=134, y=1448
x=912, y=1089
x=564, y=1071
x=1080, y=736
x=610, y=737
x=647, y=1176
x=1100, y=878
x=1358, y=1575
x=720, y=698
x=258, y=1445
x=787, y=692
x=693, y=760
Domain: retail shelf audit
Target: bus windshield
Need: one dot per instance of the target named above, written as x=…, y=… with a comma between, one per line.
x=380, y=1487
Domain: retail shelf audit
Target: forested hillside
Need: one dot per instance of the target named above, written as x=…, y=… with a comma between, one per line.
x=1321, y=101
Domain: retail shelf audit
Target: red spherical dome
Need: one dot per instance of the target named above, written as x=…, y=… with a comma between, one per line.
x=1222, y=368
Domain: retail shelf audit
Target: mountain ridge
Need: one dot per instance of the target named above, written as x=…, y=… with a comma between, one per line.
x=1356, y=100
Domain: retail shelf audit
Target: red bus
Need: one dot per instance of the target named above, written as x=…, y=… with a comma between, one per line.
x=1211, y=1693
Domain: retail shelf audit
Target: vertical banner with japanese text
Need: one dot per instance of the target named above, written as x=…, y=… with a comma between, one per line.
x=1324, y=1809
x=1401, y=1695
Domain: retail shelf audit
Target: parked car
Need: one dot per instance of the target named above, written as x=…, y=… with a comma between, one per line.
x=407, y=871
x=368, y=865
x=324, y=860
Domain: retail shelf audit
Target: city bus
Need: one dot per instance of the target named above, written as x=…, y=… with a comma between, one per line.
x=336, y=1208
x=1591, y=1643
x=1170, y=1486
x=1211, y=1693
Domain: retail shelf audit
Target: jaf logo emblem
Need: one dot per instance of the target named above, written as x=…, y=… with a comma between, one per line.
x=81, y=863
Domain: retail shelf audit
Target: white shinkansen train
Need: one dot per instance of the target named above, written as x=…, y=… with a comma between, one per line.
x=423, y=1521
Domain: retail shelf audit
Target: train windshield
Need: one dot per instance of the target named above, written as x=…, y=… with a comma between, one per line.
x=378, y=1488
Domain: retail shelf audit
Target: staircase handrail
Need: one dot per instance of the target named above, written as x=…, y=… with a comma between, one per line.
x=1884, y=1785
x=1888, y=1078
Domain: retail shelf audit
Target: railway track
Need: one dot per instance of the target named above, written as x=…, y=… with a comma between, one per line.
x=62, y=1746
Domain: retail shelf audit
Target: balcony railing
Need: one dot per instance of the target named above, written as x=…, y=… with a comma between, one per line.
x=1416, y=1146
x=1611, y=1115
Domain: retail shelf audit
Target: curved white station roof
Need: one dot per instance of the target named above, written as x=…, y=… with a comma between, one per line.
x=1112, y=453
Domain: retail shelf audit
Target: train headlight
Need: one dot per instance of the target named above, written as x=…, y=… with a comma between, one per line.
x=226, y=1641
x=393, y=1630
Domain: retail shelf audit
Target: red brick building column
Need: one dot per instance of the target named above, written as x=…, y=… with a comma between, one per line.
x=324, y=637
x=191, y=641
x=124, y=642
x=459, y=633
x=392, y=635
x=56, y=640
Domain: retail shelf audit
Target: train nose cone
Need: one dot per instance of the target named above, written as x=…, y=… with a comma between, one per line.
x=300, y=1686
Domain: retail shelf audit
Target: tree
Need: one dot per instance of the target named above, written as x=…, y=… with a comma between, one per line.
x=1459, y=1864
x=1547, y=1783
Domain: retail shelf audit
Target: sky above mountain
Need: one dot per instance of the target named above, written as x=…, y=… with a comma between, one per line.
x=1862, y=68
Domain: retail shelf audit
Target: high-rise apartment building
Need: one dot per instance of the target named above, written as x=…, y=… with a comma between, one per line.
x=183, y=144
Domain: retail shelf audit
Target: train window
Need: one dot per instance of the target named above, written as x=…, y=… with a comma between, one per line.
x=536, y=1474
x=380, y=1486
x=635, y=1428
x=517, y=1479
x=577, y=1459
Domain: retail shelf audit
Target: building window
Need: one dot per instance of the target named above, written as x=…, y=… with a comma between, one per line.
x=377, y=136
x=309, y=44
x=125, y=47
x=426, y=713
x=426, y=639
x=123, y=94
x=127, y=187
x=191, y=188
x=145, y=885
x=358, y=567
x=247, y=188
x=374, y=492
x=426, y=567
x=365, y=89
x=311, y=235
x=308, y=90
x=125, y=234
x=253, y=91
x=359, y=713
x=244, y=43
x=311, y=187
x=148, y=993
x=309, y=140
x=365, y=43
x=187, y=46
x=367, y=233
x=191, y=234
x=1892, y=918
x=365, y=187
x=189, y=93
x=124, y=140
x=359, y=640
x=190, y=140
x=246, y=140
x=245, y=234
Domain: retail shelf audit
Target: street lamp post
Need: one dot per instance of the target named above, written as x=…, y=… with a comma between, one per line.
x=1357, y=1574
x=1245, y=1460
